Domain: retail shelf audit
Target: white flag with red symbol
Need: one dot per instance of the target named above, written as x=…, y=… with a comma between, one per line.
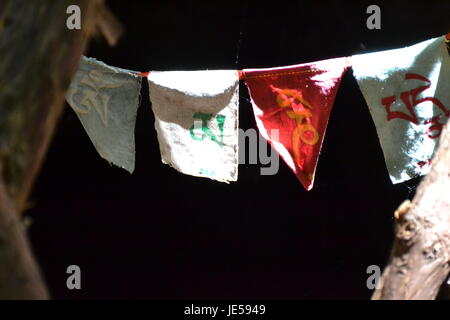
x=408, y=94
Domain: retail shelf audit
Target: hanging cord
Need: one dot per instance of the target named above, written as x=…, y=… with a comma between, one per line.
x=143, y=74
x=241, y=74
x=447, y=41
x=241, y=31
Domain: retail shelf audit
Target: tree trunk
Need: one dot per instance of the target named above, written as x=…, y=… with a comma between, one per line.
x=420, y=258
x=38, y=57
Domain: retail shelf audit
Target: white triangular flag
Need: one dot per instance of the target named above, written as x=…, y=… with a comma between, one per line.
x=408, y=94
x=106, y=100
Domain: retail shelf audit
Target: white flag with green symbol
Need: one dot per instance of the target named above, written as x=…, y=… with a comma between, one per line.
x=196, y=119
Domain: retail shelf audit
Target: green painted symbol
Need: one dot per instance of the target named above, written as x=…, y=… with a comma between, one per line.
x=207, y=132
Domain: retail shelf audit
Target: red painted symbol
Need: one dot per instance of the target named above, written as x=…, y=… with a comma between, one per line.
x=409, y=98
x=422, y=164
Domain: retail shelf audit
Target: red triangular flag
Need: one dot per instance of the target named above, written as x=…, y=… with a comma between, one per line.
x=296, y=101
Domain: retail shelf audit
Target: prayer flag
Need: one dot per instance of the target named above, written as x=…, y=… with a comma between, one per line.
x=292, y=105
x=106, y=100
x=408, y=94
x=196, y=119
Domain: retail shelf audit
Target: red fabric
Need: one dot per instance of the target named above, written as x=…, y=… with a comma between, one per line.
x=296, y=100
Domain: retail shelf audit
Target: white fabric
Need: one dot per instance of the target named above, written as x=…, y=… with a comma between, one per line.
x=188, y=143
x=106, y=100
x=407, y=145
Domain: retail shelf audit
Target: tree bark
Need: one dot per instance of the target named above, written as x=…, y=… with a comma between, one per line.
x=38, y=57
x=420, y=258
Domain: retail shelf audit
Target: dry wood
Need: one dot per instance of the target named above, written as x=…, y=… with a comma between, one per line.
x=420, y=258
x=109, y=26
x=38, y=56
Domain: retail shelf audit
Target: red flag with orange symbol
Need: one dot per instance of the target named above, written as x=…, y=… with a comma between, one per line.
x=292, y=106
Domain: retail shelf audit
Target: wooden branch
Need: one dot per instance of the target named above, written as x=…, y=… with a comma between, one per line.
x=109, y=26
x=420, y=259
x=19, y=276
x=38, y=56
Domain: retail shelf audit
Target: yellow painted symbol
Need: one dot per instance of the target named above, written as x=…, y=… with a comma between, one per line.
x=300, y=110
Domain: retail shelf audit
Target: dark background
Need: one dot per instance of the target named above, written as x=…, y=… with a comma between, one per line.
x=159, y=234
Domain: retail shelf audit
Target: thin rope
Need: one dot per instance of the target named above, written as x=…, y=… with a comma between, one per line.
x=241, y=32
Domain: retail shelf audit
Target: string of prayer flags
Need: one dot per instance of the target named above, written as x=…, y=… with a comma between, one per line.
x=196, y=112
x=292, y=106
x=106, y=100
x=408, y=94
x=196, y=120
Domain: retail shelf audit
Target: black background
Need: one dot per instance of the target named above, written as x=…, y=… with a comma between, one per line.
x=159, y=234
